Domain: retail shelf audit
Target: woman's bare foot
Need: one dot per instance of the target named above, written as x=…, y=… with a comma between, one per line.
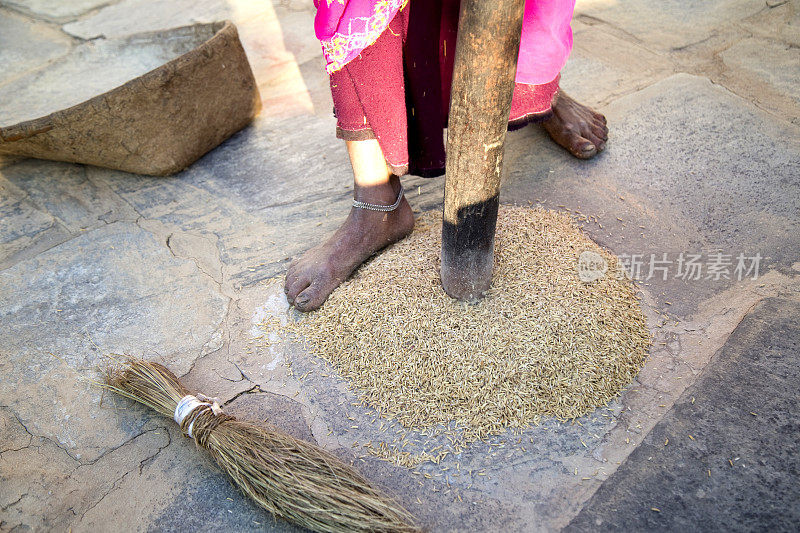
x=577, y=128
x=311, y=278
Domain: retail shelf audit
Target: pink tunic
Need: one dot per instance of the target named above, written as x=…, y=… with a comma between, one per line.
x=346, y=27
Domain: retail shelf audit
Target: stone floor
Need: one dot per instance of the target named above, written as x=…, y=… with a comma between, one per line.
x=703, y=103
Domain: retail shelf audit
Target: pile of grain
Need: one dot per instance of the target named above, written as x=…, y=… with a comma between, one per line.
x=542, y=342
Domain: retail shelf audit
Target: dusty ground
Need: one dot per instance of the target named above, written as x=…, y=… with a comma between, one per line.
x=703, y=102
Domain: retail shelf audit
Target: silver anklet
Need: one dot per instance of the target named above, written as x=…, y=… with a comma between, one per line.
x=374, y=207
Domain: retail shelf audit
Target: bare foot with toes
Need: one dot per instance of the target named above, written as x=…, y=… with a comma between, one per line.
x=313, y=277
x=582, y=131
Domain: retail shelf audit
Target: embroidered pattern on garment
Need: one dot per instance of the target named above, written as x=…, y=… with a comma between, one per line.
x=361, y=32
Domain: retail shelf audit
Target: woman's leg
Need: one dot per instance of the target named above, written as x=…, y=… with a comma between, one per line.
x=312, y=277
x=369, y=98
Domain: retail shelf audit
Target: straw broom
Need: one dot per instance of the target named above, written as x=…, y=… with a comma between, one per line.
x=292, y=479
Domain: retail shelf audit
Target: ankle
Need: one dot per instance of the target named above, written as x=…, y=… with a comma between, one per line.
x=381, y=194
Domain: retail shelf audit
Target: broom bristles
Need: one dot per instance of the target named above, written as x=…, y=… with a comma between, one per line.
x=291, y=478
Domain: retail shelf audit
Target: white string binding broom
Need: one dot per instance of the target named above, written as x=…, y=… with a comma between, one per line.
x=291, y=478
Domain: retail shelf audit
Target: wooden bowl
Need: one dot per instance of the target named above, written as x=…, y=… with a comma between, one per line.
x=156, y=123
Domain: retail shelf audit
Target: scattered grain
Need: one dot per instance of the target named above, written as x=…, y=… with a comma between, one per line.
x=541, y=342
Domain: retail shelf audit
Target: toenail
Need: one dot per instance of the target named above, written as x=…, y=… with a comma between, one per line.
x=588, y=147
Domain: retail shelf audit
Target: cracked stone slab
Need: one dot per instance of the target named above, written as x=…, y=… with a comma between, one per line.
x=663, y=25
x=272, y=409
x=781, y=22
x=720, y=174
x=115, y=289
x=166, y=484
x=614, y=66
x=65, y=192
x=771, y=62
x=723, y=457
x=270, y=164
x=244, y=194
x=32, y=475
x=21, y=221
x=14, y=435
x=201, y=497
x=57, y=9
x=27, y=475
x=26, y=45
x=23, y=227
x=235, y=248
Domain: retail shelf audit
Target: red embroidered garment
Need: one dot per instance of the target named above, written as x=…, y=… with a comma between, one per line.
x=396, y=87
